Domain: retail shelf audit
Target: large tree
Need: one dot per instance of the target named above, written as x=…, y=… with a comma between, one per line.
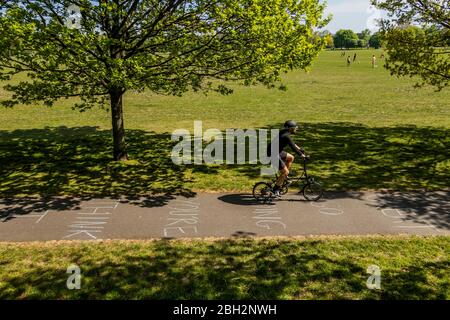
x=416, y=35
x=364, y=35
x=375, y=41
x=165, y=46
x=345, y=39
x=327, y=38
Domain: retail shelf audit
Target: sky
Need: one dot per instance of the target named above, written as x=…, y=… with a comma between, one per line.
x=352, y=14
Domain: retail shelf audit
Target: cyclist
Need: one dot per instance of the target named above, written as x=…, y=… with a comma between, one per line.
x=285, y=159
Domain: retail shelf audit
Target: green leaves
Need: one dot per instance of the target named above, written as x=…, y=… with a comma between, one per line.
x=417, y=38
x=345, y=39
x=168, y=47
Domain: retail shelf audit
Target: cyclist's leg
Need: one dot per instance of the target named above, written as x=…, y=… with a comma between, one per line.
x=289, y=160
x=284, y=172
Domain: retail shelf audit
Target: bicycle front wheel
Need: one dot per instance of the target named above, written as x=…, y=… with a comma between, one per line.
x=262, y=191
x=312, y=191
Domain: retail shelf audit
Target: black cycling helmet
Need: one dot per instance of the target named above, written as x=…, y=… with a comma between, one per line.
x=290, y=124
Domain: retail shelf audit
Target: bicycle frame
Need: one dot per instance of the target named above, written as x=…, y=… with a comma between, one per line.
x=292, y=180
x=311, y=190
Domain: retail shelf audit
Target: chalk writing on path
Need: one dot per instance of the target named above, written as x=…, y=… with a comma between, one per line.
x=182, y=219
x=91, y=221
x=268, y=218
x=33, y=215
x=326, y=209
x=401, y=216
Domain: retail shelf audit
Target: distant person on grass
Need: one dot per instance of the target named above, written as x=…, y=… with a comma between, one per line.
x=374, y=61
x=285, y=159
x=354, y=57
x=348, y=61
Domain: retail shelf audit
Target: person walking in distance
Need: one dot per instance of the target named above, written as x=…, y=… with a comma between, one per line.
x=374, y=61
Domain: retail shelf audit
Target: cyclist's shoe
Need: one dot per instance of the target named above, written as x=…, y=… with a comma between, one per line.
x=277, y=193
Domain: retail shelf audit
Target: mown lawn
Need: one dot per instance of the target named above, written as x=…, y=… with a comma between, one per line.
x=363, y=128
x=280, y=268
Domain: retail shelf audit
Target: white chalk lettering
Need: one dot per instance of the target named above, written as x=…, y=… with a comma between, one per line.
x=182, y=230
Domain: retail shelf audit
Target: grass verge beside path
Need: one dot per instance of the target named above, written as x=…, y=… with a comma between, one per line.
x=345, y=156
x=278, y=268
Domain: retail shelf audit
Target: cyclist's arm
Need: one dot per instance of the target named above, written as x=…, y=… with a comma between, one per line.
x=301, y=150
x=295, y=148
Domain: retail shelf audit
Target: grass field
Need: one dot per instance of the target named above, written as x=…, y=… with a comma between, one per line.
x=363, y=128
x=283, y=268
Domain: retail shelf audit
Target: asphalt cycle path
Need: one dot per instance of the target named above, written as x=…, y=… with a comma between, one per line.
x=206, y=215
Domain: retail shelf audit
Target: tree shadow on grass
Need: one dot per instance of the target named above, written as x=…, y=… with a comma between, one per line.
x=225, y=269
x=345, y=156
x=409, y=284
x=349, y=156
x=76, y=163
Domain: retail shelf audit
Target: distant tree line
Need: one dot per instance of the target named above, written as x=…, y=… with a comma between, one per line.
x=348, y=39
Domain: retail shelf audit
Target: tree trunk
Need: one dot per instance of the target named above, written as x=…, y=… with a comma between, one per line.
x=120, y=149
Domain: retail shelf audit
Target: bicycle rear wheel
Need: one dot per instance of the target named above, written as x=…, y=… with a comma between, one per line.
x=312, y=191
x=262, y=191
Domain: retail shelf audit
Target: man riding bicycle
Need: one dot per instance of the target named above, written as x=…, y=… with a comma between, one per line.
x=285, y=159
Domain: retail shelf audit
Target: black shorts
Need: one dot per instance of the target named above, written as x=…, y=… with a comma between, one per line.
x=282, y=160
x=282, y=156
